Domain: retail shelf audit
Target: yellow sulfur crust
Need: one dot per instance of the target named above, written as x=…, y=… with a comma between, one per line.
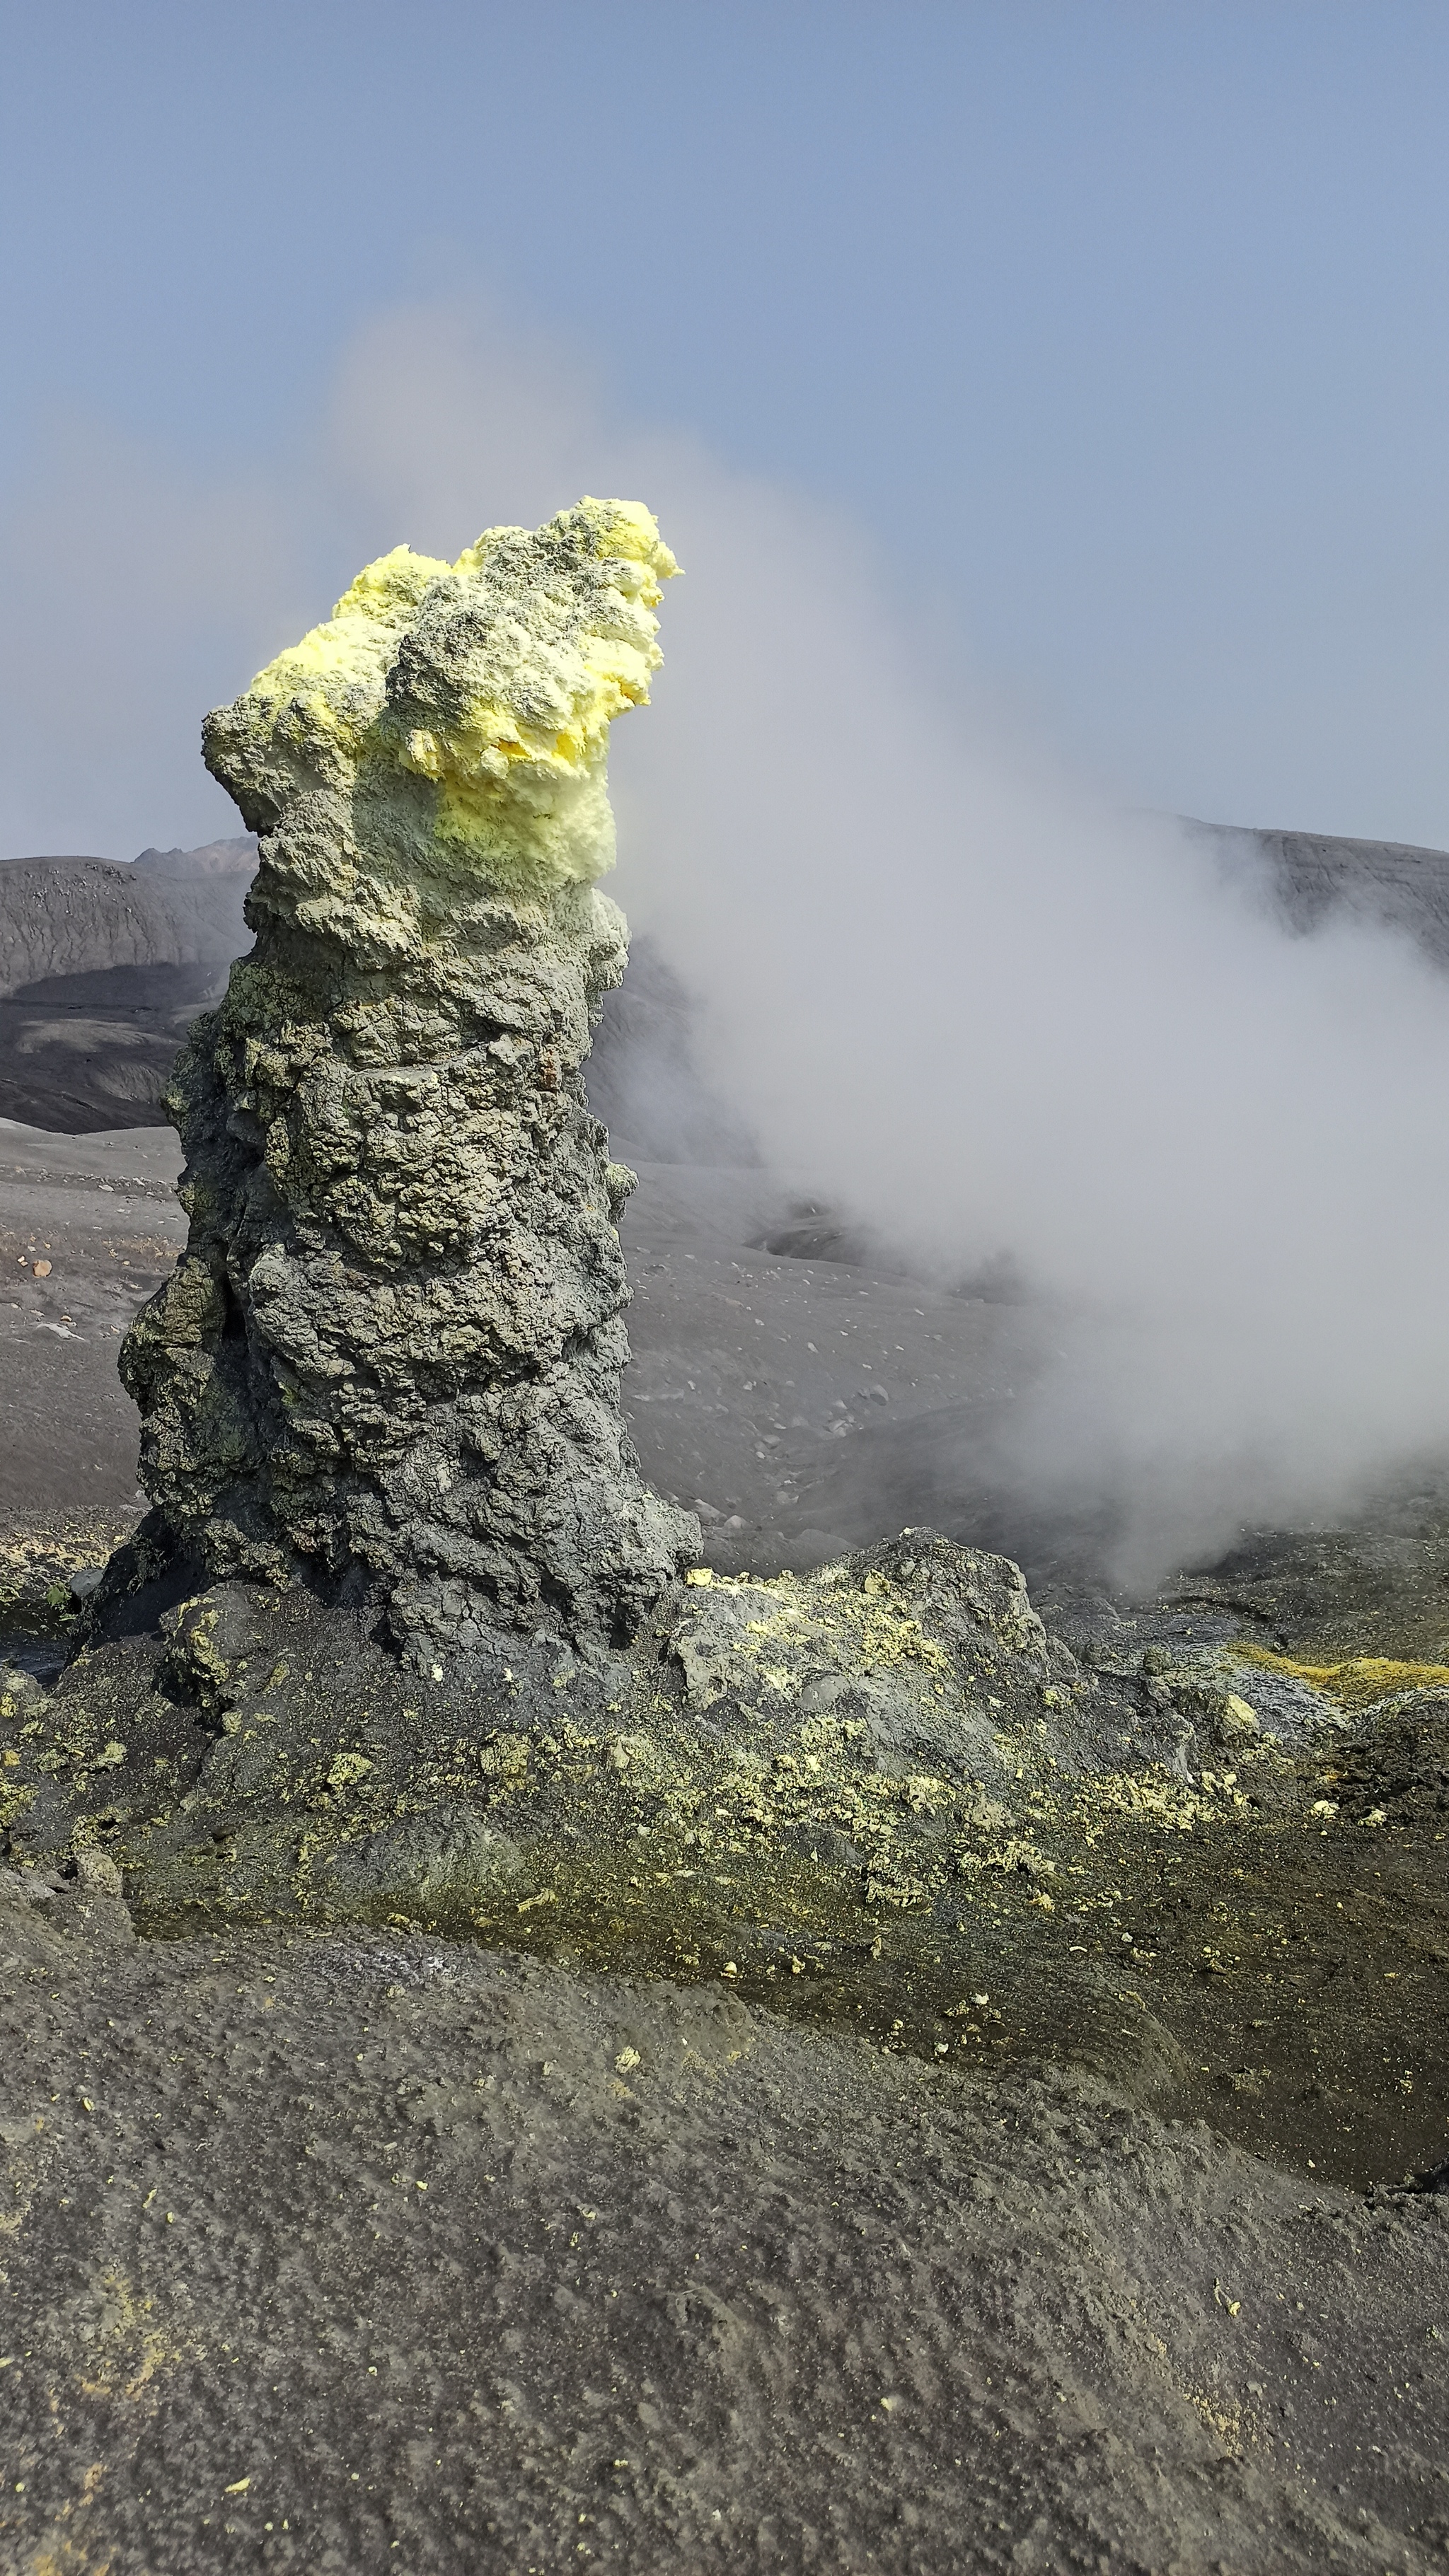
x=540, y=640
x=1357, y=1682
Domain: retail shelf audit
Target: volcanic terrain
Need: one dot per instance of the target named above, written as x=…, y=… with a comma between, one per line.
x=799, y=2188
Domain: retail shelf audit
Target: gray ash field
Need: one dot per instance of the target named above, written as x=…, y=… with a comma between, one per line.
x=717, y=2108
x=362, y=2252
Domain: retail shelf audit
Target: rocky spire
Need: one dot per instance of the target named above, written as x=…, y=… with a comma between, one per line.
x=388, y=1360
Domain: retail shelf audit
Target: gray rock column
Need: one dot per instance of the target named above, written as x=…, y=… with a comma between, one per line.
x=388, y=1360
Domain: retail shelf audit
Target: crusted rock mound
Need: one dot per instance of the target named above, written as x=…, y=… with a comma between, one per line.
x=388, y=1360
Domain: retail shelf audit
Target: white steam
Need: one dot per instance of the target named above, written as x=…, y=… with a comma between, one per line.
x=973, y=1002
x=992, y=1015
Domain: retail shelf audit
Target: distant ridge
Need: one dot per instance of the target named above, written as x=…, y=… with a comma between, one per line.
x=103, y=964
x=232, y=858
x=1318, y=873
x=80, y=916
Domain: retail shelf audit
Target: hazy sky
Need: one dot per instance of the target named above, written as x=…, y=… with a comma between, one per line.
x=1122, y=331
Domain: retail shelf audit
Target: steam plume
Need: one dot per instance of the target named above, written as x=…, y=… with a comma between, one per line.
x=980, y=1003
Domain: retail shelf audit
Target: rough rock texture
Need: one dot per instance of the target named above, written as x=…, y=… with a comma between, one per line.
x=883, y=1796
x=389, y=1357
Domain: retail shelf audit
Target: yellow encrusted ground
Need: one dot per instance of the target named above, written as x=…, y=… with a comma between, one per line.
x=868, y=1624
x=1359, y=1681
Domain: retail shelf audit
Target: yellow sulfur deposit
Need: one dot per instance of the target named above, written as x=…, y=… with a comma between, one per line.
x=1358, y=1682
x=416, y=1382
x=493, y=679
x=338, y=669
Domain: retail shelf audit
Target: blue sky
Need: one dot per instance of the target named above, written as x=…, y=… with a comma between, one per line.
x=1121, y=331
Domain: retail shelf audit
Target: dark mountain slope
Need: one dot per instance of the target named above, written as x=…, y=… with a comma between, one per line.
x=101, y=968
x=1315, y=874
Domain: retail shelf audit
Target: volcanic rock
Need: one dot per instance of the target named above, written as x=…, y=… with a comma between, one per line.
x=388, y=1360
